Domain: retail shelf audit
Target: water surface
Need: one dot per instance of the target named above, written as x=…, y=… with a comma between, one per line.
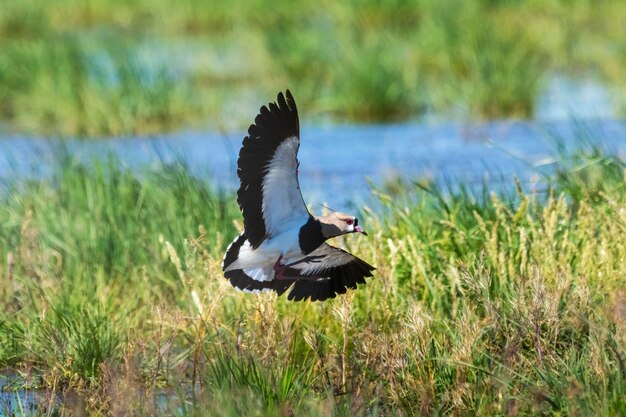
x=338, y=162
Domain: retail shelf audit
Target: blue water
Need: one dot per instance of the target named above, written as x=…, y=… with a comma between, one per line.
x=338, y=162
x=23, y=402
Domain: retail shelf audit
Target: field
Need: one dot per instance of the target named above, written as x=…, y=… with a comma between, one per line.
x=506, y=305
x=484, y=303
x=102, y=68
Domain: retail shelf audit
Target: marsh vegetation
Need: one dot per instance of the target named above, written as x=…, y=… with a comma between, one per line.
x=482, y=304
x=125, y=67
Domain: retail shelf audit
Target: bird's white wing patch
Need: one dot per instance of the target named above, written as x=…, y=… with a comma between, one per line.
x=254, y=291
x=264, y=273
x=249, y=258
x=282, y=200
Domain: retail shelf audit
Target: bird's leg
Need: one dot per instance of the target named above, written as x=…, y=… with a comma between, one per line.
x=279, y=268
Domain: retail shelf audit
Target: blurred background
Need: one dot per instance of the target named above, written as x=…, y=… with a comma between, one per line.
x=419, y=87
x=99, y=68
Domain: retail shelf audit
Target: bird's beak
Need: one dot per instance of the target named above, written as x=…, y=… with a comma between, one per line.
x=360, y=230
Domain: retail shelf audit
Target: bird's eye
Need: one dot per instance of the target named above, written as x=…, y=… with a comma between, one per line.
x=349, y=221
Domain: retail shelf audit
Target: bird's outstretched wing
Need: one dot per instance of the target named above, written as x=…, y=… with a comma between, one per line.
x=269, y=193
x=326, y=272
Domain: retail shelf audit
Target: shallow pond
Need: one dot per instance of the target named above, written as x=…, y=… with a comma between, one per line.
x=23, y=402
x=337, y=162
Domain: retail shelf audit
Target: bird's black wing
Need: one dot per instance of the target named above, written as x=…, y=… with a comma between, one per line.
x=326, y=272
x=269, y=194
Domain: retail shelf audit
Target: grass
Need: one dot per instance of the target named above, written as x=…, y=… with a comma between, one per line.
x=67, y=87
x=510, y=304
x=102, y=68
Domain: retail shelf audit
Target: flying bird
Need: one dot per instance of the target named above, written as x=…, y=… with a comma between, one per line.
x=283, y=245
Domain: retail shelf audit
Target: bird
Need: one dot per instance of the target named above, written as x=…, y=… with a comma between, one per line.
x=283, y=246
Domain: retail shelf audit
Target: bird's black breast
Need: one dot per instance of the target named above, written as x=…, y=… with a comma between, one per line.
x=310, y=237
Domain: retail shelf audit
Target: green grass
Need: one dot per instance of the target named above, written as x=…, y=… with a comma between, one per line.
x=511, y=304
x=103, y=68
x=67, y=87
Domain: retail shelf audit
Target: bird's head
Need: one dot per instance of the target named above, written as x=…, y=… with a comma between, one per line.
x=336, y=224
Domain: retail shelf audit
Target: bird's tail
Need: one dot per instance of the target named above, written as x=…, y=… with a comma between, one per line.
x=253, y=279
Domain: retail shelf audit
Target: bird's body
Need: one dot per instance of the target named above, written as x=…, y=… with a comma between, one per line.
x=286, y=244
x=283, y=245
